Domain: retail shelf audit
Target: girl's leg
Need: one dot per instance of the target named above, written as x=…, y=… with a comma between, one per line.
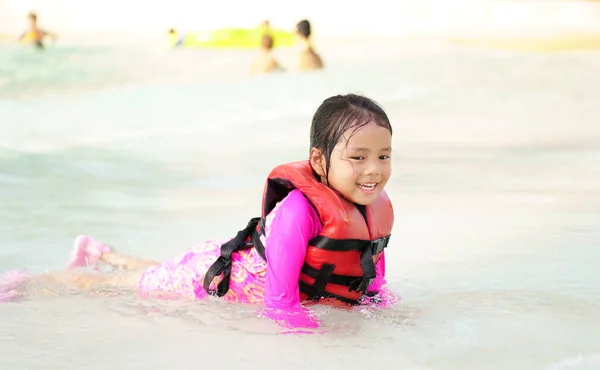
x=83, y=280
x=88, y=251
x=17, y=284
x=124, y=261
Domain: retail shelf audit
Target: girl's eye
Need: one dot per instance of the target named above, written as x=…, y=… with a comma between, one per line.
x=357, y=158
x=384, y=157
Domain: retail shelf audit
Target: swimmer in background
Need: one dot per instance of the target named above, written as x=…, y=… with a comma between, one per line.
x=35, y=35
x=265, y=62
x=308, y=58
x=174, y=38
x=265, y=26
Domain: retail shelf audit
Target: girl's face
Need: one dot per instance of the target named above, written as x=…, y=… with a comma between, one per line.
x=360, y=165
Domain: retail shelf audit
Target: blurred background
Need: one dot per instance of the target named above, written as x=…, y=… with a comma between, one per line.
x=152, y=126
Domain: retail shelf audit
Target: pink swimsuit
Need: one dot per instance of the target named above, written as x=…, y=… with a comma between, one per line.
x=289, y=227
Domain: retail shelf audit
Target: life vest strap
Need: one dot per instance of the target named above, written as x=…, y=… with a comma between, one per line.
x=305, y=288
x=257, y=243
x=332, y=278
x=377, y=246
x=322, y=277
x=223, y=264
x=369, y=271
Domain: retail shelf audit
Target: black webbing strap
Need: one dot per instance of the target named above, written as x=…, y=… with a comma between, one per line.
x=332, y=278
x=368, y=266
x=306, y=289
x=223, y=264
x=325, y=243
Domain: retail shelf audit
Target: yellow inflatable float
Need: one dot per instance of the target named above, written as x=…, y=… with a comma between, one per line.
x=230, y=38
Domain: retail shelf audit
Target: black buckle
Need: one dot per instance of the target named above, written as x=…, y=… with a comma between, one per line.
x=377, y=246
x=360, y=285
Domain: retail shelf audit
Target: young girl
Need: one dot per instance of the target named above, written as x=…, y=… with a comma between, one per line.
x=325, y=223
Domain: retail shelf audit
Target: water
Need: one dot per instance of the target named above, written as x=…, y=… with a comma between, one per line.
x=495, y=186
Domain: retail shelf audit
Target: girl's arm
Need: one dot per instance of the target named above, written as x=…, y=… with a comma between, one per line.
x=379, y=281
x=293, y=223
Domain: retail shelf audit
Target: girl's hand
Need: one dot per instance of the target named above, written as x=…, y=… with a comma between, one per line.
x=381, y=298
x=291, y=318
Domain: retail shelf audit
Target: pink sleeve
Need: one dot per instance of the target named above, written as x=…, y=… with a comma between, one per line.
x=379, y=280
x=294, y=224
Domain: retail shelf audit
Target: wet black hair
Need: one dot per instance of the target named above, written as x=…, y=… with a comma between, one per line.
x=303, y=28
x=339, y=114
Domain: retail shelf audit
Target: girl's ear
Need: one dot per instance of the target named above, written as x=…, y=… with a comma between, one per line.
x=317, y=161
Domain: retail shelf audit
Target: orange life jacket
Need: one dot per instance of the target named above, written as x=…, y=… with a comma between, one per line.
x=340, y=261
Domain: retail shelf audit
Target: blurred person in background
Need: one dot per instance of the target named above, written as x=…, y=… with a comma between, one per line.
x=265, y=62
x=174, y=38
x=35, y=35
x=308, y=58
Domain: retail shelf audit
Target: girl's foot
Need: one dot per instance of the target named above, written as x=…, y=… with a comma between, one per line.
x=9, y=282
x=86, y=251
